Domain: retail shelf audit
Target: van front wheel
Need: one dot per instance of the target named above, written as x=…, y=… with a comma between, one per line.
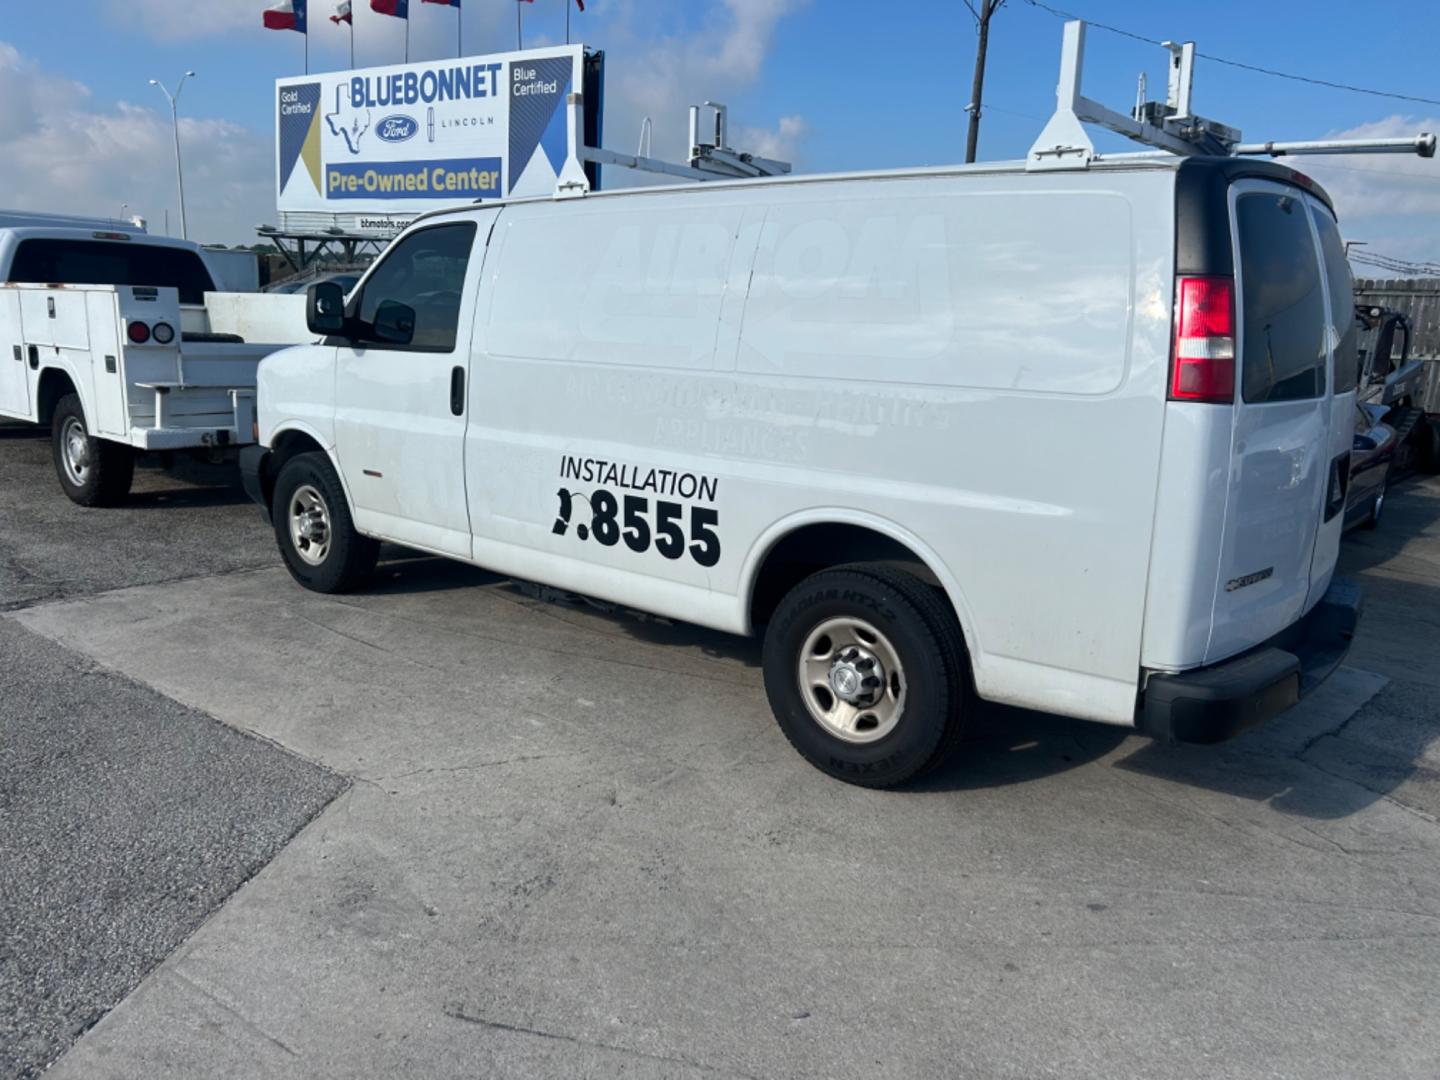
x=317, y=538
x=865, y=671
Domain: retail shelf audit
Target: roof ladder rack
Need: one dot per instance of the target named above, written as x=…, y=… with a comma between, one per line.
x=1169, y=126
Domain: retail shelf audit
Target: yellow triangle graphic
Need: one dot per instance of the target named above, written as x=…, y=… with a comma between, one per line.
x=310, y=152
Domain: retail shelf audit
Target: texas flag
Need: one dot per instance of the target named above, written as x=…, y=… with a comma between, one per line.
x=286, y=15
x=342, y=13
x=399, y=8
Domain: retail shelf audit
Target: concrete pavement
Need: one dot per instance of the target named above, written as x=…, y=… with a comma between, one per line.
x=576, y=845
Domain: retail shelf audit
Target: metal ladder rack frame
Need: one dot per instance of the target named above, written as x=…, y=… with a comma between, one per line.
x=1170, y=126
x=709, y=160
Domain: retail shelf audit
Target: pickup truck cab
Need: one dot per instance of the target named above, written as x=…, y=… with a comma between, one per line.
x=1077, y=442
x=118, y=341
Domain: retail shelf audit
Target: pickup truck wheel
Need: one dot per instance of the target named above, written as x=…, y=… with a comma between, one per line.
x=865, y=671
x=313, y=527
x=92, y=472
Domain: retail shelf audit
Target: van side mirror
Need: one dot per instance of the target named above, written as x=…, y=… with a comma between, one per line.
x=325, y=309
x=394, y=323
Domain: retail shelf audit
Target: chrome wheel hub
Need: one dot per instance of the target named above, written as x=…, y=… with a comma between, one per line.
x=851, y=680
x=309, y=525
x=75, y=452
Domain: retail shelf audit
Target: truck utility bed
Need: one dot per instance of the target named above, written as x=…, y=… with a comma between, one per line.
x=152, y=374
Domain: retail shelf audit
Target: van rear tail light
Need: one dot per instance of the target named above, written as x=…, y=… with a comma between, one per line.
x=1203, y=365
x=138, y=333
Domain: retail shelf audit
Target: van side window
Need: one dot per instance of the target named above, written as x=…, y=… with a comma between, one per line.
x=1283, y=353
x=424, y=271
x=1346, y=335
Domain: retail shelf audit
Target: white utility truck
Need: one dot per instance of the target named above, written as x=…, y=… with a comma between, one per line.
x=117, y=341
x=1071, y=433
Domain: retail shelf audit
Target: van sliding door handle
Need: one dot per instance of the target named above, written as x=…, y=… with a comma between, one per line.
x=457, y=390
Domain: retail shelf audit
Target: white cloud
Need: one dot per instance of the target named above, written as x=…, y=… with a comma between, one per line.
x=1366, y=186
x=660, y=76
x=67, y=154
x=168, y=21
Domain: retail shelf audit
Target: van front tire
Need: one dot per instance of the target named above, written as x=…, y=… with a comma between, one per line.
x=314, y=529
x=92, y=472
x=865, y=670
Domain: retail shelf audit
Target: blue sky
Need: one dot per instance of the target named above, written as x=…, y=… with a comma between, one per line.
x=831, y=84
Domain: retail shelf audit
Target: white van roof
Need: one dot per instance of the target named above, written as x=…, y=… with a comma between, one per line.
x=1147, y=159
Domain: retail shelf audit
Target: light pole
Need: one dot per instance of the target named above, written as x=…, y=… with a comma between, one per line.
x=175, y=123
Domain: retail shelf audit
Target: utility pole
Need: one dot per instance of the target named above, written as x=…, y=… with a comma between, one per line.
x=982, y=17
x=175, y=123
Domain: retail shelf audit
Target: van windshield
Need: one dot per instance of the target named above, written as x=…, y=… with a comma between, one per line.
x=100, y=262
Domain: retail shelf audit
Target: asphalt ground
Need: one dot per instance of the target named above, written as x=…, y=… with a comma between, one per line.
x=125, y=818
x=192, y=519
x=575, y=844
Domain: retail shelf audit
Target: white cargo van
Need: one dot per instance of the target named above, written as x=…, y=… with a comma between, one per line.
x=118, y=342
x=1074, y=441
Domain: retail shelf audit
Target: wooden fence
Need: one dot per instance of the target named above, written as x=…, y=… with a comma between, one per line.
x=1418, y=299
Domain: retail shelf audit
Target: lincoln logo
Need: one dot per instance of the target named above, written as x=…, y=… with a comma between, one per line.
x=397, y=128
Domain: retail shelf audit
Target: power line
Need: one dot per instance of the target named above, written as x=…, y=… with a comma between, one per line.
x=1059, y=14
x=1395, y=265
x=1323, y=162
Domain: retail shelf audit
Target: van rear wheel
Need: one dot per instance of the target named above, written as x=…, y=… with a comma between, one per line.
x=865, y=671
x=313, y=528
x=92, y=472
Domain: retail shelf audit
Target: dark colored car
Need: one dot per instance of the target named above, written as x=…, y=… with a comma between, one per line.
x=1371, y=459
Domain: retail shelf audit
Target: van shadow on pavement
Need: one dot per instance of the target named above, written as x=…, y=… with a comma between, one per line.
x=1388, y=747
x=1002, y=745
x=1346, y=763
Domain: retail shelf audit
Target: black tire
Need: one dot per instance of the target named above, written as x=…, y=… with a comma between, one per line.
x=346, y=558
x=923, y=633
x=101, y=474
x=1430, y=445
x=1377, y=504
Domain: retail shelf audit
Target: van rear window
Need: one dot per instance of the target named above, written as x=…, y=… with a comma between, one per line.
x=115, y=262
x=1283, y=302
x=1346, y=334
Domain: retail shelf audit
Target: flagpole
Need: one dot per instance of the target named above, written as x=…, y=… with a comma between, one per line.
x=567, y=21
x=407, y=36
x=519, y=27
x=459, y=30
x=307, y=50
x=352, y=41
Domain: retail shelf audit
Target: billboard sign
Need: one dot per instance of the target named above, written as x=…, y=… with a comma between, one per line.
x=413, y=137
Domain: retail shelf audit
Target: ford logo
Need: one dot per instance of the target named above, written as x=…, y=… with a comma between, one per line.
x=397, y=128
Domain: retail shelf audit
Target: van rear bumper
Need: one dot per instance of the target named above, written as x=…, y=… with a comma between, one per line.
x=1211, y=704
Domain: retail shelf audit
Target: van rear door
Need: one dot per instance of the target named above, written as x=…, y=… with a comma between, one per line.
x=1344, y=340
x=1285, y=469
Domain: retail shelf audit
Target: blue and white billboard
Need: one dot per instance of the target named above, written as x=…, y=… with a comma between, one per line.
x=409, y=138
